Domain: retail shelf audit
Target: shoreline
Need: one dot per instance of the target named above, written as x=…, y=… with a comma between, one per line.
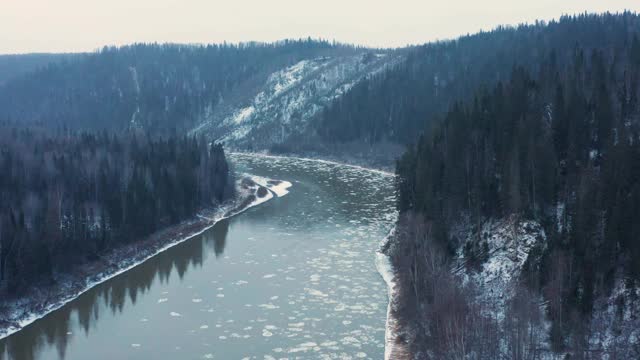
x=392, y=348
x=117, y=262
x=324, y=161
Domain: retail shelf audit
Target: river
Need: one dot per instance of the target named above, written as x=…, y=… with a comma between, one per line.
x=292, y=278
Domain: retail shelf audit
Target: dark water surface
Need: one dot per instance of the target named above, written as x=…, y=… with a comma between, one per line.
x=292, y=278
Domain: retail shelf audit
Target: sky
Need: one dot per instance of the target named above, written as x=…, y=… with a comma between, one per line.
x=87, y=25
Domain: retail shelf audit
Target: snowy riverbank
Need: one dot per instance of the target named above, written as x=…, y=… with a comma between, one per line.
x=393, y=349
x=359, y=166
x=40, y=301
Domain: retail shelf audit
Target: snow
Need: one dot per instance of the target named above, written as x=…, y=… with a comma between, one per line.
x=560, y=216
x=287, y=78
x=134, y=117
x=615, y=325
x=134, y=78
x=243, y=114
x=383, y=264
x=509, y=243
x=280, y=189
x=287, y=100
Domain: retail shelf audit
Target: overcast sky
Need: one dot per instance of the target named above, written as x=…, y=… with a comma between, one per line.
x=86, y=25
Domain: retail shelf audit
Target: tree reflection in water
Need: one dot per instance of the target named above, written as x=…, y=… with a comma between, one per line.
x=112, y=295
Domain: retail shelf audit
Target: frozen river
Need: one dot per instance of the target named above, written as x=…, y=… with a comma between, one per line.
x=292, y=278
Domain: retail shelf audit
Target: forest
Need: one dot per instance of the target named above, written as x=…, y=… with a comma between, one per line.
x=396, y=105
x=162, y=88
x=68, y=197
x=13, y=66
x=560, y=146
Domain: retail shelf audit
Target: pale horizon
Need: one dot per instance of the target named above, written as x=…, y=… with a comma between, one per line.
x=71, y=26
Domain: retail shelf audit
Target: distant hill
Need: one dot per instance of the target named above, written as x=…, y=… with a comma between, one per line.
x=295, y=96
x=163, y=88
x=12, y=66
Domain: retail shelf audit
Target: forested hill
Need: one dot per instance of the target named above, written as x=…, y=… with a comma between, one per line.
x=12, y=66
x=535, y=179
x=296, y=96
x=68, y=198
x=159, y=88
x=395, y=105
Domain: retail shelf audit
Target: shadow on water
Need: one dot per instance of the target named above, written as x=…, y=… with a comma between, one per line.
x=112, y=295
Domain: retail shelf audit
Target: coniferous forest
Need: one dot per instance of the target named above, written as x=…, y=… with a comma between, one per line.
x=559, y=146
x=397, y=104
x=160, y=88
x=69, y=197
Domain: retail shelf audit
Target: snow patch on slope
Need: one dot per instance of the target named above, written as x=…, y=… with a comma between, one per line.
x=134, y=78
x=285, y=79
x=385, y=269
x=615, y=326
x=288, y=100
x=243, y=114
x=505, y=244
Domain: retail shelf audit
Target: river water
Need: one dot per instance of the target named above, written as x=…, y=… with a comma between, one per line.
x=291, y=278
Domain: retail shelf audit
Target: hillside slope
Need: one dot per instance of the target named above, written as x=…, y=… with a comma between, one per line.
x=283, y=106
x=519, y=228
x=303, y=97
x=396, y=105
x=13, y=66
x=156, y=88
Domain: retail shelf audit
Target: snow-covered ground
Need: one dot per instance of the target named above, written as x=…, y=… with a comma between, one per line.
x=508, y=242
x=26, y=310
x=288, y=100
x=279, y=188
x=385, y=268
x=615, y=325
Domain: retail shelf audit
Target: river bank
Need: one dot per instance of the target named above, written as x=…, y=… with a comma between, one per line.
x=39, y=301
x=386, y=171
x=395, y=347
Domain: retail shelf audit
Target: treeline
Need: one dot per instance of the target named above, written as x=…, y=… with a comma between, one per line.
x=165, y=88
x=12, y=66
x=561, y=146
x=395, y=105
x=66, y=198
